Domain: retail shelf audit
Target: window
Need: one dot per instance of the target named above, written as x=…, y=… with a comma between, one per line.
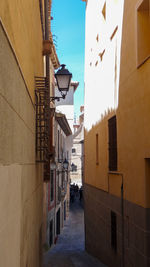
x=73, y=150
x=143, y=32
x=63, y=180
x=128, y=231
x=113, y=230
x=112, y=130
x=147, y=179
x=75, y=168
x=58, y=144
x=52, y=186
x=97, y=150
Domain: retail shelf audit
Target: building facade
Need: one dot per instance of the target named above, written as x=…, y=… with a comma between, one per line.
x=117, y=113
x=63, y=147
x=57, y=193
x=28, y=60
x=21, y=178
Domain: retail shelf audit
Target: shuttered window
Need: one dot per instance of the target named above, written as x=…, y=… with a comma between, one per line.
x=52, y=186
x=58, y=145
x=112, y=144
x=97, y=150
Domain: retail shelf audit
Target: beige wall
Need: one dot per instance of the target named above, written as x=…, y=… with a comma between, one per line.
x=21, y=181
x=10, y=214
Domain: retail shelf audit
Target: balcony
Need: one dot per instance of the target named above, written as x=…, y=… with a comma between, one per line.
x=47, y=47
x=61, y=194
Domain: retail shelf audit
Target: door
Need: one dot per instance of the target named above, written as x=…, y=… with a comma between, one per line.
x=58, y=222
x=51, y=233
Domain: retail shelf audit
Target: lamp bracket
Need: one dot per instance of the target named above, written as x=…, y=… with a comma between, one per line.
x=53, y=98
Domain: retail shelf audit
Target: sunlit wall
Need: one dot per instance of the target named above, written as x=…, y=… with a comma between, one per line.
x=102, y=58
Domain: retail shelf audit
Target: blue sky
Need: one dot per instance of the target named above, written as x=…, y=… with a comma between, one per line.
x=68, y=26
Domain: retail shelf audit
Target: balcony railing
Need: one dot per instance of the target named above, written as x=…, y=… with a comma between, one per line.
x=42, y=119
x=42, y=104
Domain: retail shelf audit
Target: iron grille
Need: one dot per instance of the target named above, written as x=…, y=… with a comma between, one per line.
x=43, y=124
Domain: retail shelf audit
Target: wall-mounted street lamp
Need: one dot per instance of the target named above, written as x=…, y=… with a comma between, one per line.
x=53, y=166
x=63, y=79
x=65, y=164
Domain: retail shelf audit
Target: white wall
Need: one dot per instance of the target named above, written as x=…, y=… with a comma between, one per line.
x=101, y=76
x=68, y=110
x=69, y=97
x=66, y=106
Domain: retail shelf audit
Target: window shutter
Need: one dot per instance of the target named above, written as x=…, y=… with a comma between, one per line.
x=112, y=144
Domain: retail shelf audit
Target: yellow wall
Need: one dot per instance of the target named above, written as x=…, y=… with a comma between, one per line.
x=134, y=111
x=21, y=179
x=96, y=174
x=21, y=20
x=133, y=127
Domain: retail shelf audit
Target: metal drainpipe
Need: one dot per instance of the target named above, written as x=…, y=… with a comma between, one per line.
x=122, y=211
x=47, y=64
x=46, y=36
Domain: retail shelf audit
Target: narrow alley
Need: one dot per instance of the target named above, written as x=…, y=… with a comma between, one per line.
x=69, y=250
x=75, y=124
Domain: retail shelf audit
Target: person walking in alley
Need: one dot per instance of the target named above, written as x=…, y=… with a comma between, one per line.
x=72, y=195
x=81, y=193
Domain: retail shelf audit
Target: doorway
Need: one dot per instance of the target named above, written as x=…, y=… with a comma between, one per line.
x=58, y=222
x=51, y=233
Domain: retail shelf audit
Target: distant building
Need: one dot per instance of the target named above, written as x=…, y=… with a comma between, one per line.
x=57, y=190
x=77, y=151
x=62, y=154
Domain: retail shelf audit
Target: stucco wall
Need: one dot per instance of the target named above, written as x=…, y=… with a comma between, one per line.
x=133, y=111
x=21, y=20
x=96, y=175
x=102, y=58
x=21, y=186
x=133, y=116
x=66, y=106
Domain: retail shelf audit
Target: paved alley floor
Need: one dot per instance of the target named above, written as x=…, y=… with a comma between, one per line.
x=69, y=250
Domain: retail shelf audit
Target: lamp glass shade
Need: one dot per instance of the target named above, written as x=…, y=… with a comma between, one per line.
x=52, y=166
x=63, y=82
x=63, y=78
x=65, y=164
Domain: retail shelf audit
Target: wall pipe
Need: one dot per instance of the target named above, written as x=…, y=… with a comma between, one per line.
x=47, y=64
x=46, y=6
